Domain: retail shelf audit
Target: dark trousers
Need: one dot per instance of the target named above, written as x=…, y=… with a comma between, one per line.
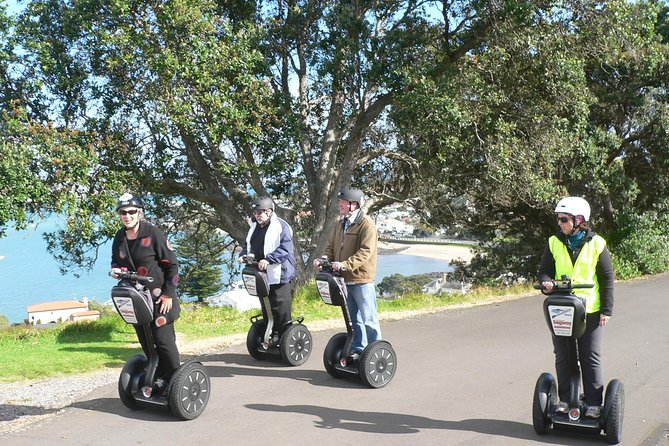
x=589, y=351
x=165, y=341
x=280, y=301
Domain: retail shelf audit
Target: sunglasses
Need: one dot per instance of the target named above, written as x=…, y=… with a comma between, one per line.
x=563, y=219
x=131, y=212
x=259, y=211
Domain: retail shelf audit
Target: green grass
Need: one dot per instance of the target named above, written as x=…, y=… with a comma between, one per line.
x=29, y=353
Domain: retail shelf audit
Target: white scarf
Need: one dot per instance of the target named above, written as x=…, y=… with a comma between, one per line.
x=272, y=241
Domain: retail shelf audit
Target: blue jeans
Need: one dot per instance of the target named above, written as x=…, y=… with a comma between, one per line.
x=362, y=306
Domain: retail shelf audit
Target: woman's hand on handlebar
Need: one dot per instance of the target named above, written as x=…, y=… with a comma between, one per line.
x=337, y=266
x=548, y=286
x=114, y=272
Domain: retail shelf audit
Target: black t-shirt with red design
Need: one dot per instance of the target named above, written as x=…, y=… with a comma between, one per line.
x=153, y=256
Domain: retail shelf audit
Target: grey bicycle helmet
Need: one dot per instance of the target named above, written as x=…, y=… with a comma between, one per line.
x=350, y=194
x=262, y=203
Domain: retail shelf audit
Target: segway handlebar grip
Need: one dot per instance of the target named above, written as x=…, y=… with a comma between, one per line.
x=250, y=259
x=128, y=275
x=560, y=285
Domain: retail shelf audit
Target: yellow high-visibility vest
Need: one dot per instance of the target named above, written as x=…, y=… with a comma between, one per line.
x=583, y=271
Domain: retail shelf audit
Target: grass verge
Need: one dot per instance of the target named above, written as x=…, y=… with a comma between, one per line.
x=29, y=354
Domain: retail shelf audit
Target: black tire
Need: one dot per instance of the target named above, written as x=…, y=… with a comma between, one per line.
x=254, y=340
x=333, y=353
x=545, y=399
x=133, y=371
x=378, y=363
x=296, y=344
x=189, y=391
x=613, y=426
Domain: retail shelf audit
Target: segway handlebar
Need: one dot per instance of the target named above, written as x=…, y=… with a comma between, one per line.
x=326, y=265
x=565, y=284
x=129, y=275
x=249, y=259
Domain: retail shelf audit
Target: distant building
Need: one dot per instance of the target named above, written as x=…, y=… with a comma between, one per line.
x=61, y=311
x=236, y=297
x=444, y=286
x=395, y=226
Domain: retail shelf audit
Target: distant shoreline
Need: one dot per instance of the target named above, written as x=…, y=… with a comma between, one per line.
x=447, y=253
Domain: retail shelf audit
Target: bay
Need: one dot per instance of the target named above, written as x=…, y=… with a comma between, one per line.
x=30, y=275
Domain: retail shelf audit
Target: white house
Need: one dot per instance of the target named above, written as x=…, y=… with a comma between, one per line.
x=61, y=311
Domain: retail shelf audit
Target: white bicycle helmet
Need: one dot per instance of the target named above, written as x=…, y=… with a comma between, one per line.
x=574, y=206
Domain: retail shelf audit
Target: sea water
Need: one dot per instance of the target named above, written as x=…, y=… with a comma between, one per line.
x=30, y=275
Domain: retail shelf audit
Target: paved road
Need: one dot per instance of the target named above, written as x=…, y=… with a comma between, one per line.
x=465, y=377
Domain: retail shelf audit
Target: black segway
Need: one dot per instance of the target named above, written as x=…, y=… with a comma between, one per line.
x=566, y=316
x=262, y=341
x=377, y=363
x=187, y=392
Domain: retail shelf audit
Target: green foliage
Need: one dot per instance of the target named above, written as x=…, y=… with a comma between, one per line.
x=640, y=245
x=202, y=252
x=397, y=285
x=481, y=117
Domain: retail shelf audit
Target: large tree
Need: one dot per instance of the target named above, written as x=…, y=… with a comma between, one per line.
x=204, y=104
x=574, y=104
x=477, y=112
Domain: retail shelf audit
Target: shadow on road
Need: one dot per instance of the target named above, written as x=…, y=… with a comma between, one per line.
x=114, y=406
x=272, y=369
x=392, y=423
x=9, y=412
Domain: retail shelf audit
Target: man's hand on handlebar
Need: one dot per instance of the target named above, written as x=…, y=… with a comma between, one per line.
x=337, y=266
x=115, y=272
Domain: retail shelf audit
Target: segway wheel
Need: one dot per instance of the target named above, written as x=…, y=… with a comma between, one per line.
x=545, y=399
x=613, y=425
x=254, y=340
x=189, y=391
x=378, y=363
x=333, y=353
x=131, y=373
x=296, y=344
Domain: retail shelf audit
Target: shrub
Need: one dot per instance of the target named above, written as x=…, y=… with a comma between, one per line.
x=640, y=245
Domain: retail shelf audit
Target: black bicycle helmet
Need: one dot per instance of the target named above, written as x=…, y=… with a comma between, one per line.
x=128, y=199
x=261, y=203
x=350, y=194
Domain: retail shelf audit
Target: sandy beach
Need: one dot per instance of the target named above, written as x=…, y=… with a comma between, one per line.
x=446, y=253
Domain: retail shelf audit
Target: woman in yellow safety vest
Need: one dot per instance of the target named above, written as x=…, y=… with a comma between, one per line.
x=576, y=251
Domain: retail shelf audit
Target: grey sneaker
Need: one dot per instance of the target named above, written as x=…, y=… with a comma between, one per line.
x=593, y=411
x=562, y=407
